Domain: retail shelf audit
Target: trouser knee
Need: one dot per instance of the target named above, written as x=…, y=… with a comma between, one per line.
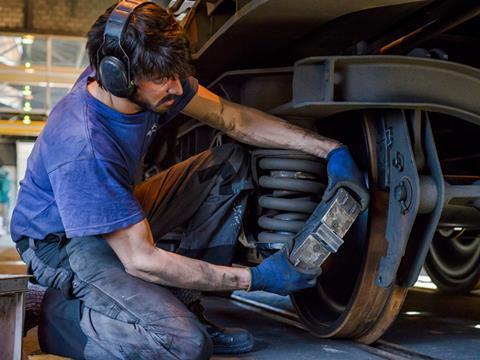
x=235, y=153
x=186, y=339
x=197, y=345
x=176, y=337
x=236, y=160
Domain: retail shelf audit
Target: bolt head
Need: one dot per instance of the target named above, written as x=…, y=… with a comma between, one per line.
x=400, y=192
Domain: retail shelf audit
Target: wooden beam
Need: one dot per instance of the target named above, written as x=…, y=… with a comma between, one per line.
x=39, y=74
x=18, y=128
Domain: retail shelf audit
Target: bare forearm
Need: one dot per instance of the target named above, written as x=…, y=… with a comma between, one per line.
x=179, y=271
x=260, y=129
x=135, y=247
x=255, y=127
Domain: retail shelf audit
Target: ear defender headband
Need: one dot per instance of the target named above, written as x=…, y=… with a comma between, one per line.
x=115, y=73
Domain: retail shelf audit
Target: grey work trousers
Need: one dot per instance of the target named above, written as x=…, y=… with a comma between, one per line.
x=125, y=317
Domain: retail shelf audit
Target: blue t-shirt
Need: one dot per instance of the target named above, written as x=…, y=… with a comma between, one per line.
x=80, y=174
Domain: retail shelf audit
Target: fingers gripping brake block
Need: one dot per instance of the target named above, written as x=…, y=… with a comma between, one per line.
x=324, y=231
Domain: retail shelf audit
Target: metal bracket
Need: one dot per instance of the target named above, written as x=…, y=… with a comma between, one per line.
x=404, y=195
x=323, y=86
x=427, y=223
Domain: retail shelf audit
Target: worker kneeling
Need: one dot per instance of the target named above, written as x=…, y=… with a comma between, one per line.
x=88, y=231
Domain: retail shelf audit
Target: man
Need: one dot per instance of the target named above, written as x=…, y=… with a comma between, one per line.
x=84, y=228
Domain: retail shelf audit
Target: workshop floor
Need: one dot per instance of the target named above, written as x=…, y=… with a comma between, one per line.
x=434, y=325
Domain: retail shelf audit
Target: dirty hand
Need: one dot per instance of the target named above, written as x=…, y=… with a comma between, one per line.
x=343, y=172
x=276, y=274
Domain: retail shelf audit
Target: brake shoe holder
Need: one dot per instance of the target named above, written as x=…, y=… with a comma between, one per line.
x=332, y=223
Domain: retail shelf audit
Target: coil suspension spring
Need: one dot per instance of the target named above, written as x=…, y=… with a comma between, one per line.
x=291, y=185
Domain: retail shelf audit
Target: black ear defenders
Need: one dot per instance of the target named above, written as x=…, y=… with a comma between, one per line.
x=114, y=72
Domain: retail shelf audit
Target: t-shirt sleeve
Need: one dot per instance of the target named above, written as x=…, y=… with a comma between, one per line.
x=94, y=197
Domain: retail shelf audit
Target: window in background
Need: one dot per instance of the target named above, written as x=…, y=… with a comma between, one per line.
x=23, y=50
x=69, y=52
x=36, y=71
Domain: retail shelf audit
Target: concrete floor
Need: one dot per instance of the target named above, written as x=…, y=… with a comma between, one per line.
x=277, y=340
x=438, y=326
x=441, y=326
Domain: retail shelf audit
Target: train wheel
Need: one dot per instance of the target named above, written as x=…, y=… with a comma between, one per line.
x=346, y=302
x=453, y=262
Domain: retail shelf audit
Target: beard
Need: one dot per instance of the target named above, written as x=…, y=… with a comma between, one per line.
x=135, y=98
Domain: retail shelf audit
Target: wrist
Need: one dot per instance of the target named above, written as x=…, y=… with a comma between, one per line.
x=256, y=279
x=333, y=151
x=243, y=278
x=249, y=287
x=332, y=147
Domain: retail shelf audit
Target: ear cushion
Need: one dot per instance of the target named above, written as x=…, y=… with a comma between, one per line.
x=114, y=77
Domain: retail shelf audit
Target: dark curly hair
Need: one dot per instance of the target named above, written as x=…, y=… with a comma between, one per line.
x=155, y=43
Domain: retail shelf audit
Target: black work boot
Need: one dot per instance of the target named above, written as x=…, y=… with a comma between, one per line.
x=225, y=340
